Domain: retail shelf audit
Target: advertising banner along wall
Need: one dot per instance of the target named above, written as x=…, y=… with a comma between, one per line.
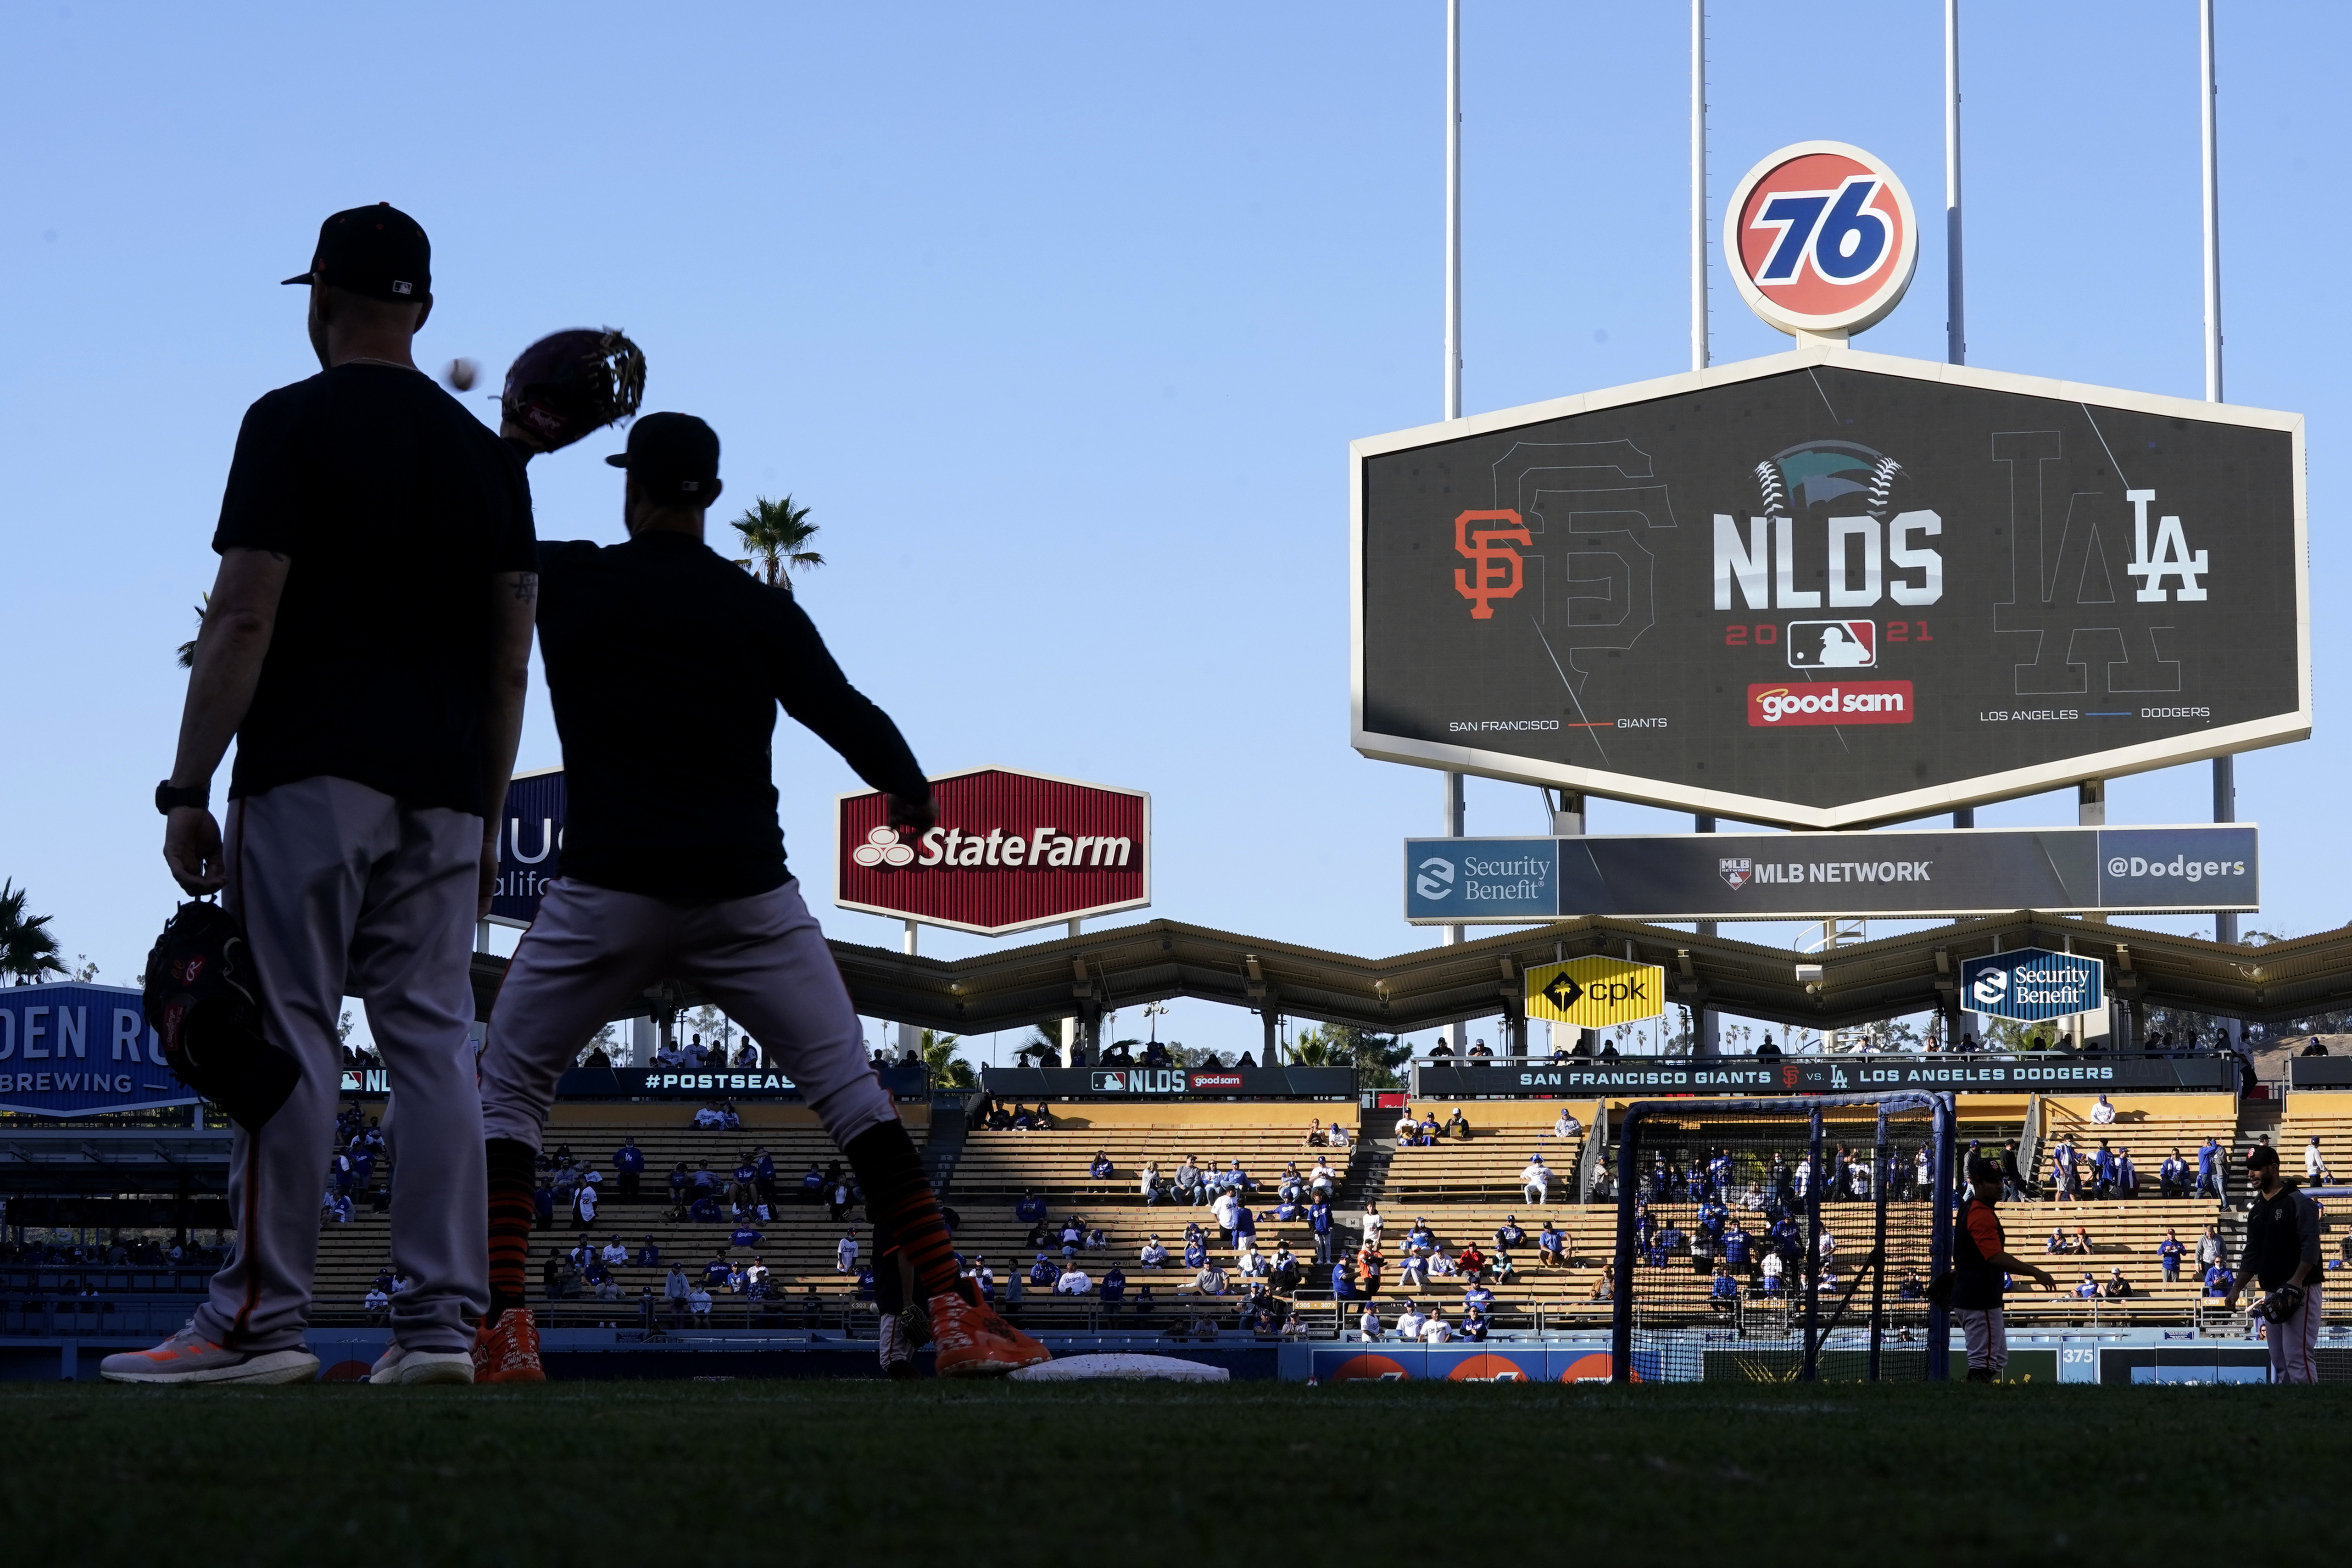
x=530, y=847
x=1793, y=876
x=1161, y=1083
x=1829, y=588
x=2088, y=1071
x=78, y=1050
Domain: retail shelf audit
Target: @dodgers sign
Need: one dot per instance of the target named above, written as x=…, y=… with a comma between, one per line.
x=2032, y=983
x=1821, y=237
x=1596, y=992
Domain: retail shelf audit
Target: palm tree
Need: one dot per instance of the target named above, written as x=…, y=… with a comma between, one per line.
x=946, y=1066
x=27, y=951
x=1044, y=1045
x=777, y=533
x=188, y=648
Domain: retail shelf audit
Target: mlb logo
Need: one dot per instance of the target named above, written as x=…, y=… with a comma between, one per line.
x=399, y=288
x=1833, y=645
x=1738, y=873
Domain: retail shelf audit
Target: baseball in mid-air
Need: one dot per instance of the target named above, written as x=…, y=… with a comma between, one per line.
x=462, y=373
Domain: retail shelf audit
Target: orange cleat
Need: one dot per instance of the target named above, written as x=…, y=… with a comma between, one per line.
x=973, y=1341
x=508, y=1352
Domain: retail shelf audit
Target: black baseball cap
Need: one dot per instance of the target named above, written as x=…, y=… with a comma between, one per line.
x=671, y=456
x=378, y=251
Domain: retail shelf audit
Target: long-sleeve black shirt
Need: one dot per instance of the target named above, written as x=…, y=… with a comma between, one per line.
x=666, y=663
x=2281, y=1232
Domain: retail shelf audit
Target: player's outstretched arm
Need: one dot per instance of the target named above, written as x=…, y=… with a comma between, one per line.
x=239, y=620
x=814, y=692
x=2009, y=1263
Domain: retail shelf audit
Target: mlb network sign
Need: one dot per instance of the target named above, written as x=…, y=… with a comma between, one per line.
x=2033, y=984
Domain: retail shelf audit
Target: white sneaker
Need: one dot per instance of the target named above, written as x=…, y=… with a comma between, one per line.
x=400, y=1365
x=189, y=1357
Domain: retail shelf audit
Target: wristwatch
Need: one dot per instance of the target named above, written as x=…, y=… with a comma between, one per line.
x=168, y=800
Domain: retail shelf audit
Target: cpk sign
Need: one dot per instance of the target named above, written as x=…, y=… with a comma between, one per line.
x=1821, y=238
x=1011, y=850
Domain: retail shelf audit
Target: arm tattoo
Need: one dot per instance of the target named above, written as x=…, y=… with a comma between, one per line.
x=526, y=587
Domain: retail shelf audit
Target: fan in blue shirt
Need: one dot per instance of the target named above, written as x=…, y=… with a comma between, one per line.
x=1478, y=1298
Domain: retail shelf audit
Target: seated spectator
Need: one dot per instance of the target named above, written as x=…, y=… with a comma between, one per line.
x=617, y=1253
x=1150, y=1183
x=1339, y=1136
x=1535, y=1180
x=1073, y=1281
x=1252, y=1264
x=744, y=1235
x=1209, y=1282
x=1478, y=1298
x=1070, y=1235
x=1723, y=1294
x=1322, y=1181
x=1100, y=1169
x=715, y=1271
x=1406, y=1127
x=1287, y=1275
x=1567, y=1126
x=1097, y=1239
x=703, y=1210
x=1419, y=1241
x=2116, y=1287
x=1113, y=1288
x=1315, y=1137
x=2168, y=1254
x=1502, y=1270
x=649, y=1254
x=2057, y=1242
x=1474, y=1326
x=378, y=1304
x=1440, y=1265
x=1913, y=1289
x=1190, y=1188
x=1153, y=1255
x=2103, y=1113
x=1471, y=1262
x=1425, y=1135
x=2088, y=1289
x=1508, y=1233
x=1412, y=1274
x=1043, y=1273
x=1196, y=1247
x=1772, y=1268
x=1551, y=1246
x=2079, y=1243
x=1457, y=1126
x=1022, y=1120
x=1411, y=1322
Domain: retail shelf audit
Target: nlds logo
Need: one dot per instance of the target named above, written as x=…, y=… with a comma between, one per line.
x=1821, y=238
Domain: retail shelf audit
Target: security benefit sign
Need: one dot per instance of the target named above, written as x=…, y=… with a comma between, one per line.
x=1830, y=588
x=2032, y=983
x=1596, y=992
x=77, y=1050
x=1807, y=876
x=531, y=846
x=1011, y=850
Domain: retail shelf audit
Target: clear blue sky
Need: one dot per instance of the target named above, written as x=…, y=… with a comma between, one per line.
x=1062, y=317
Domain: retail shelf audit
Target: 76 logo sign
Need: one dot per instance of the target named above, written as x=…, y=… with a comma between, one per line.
x=1821, y=238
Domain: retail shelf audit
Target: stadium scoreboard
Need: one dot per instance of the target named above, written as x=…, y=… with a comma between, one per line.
x=1828, y=588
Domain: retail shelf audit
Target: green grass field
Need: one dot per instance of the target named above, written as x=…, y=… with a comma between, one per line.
x=667, y=1474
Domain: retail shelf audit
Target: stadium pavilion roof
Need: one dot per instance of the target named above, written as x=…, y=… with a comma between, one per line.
x=1125, y=966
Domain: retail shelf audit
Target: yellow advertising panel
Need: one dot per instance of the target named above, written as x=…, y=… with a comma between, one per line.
x=1596, y=992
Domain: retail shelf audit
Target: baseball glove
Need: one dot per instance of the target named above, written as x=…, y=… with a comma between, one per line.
x=571, y=382
x=202, y=1000
x=2281, y=1305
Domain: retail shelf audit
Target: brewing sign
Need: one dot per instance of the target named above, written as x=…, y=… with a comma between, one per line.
x=1011, y=850
x=1830, y=588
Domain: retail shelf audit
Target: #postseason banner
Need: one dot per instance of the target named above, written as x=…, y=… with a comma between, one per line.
x=1811, y=875
x=1831, y=587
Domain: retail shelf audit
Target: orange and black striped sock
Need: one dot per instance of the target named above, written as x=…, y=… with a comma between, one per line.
x=899, y=1197
x=512, y=1168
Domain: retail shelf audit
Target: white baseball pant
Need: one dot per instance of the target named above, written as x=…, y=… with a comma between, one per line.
x=2295, y=1345
x=762, y=961
x=343, y=890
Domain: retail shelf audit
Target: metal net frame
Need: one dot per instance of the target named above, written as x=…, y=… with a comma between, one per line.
x=1722, y=1270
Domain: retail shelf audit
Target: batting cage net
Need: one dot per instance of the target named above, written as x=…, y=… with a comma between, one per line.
x=1775, y=1240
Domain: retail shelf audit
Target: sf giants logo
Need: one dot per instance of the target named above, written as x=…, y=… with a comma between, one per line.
x=1495, y=571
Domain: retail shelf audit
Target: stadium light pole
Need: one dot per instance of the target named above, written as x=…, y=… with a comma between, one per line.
x=1708, y=1024
x=2225, y=780
x=1956, y=311
x=1454, y=935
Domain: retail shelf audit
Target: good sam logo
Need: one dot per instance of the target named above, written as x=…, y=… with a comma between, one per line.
x=1848, y=702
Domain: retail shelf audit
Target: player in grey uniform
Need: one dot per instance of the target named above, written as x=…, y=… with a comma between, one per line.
x=368, y=645
x=679, y=872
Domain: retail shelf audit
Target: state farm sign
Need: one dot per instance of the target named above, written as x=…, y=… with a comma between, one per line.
x=1011, y=850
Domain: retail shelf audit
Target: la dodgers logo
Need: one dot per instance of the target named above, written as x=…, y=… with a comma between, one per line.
x=1821, y=237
